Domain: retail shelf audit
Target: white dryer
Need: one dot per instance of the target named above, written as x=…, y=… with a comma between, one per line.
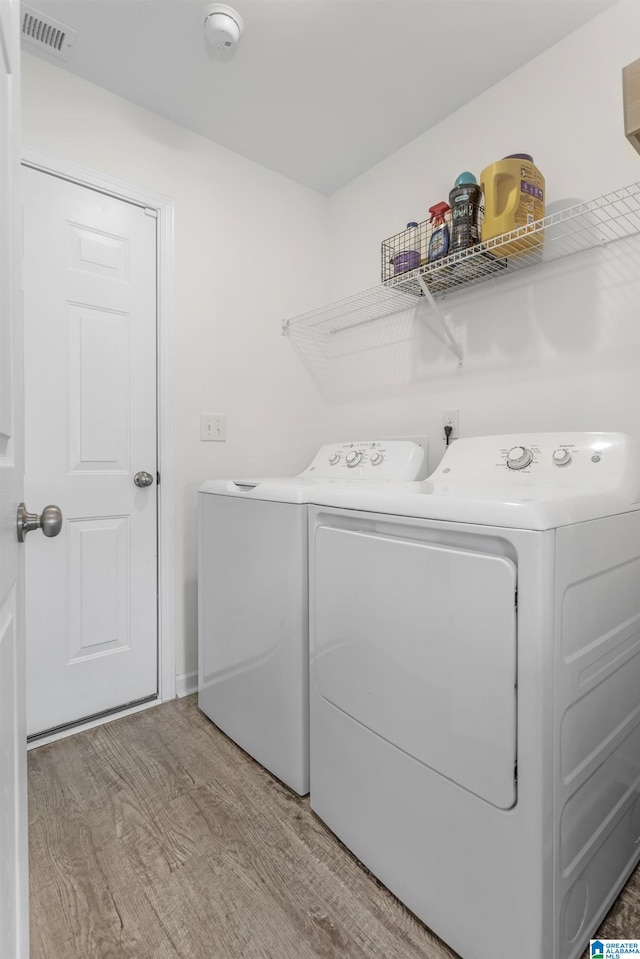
x=253, y=635
x=475, y=687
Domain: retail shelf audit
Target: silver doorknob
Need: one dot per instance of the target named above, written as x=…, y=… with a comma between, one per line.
x=49, y=521
x=143, y=479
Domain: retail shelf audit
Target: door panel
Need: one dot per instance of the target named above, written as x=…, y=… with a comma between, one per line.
x=14, y=943
x=99, y=563
x=97, y=253
x=418, y=643
x=98, y=368
x=90, y=385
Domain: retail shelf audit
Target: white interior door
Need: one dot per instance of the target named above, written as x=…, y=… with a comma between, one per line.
x=90, y=387
x=13, y=800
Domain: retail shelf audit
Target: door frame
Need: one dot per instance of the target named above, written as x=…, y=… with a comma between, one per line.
x=163, y=208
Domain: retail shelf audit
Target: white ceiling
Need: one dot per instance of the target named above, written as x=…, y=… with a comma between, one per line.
x=318, y=90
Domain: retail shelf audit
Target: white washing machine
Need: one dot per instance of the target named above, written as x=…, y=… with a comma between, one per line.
x=475, y=687
x=253, y=632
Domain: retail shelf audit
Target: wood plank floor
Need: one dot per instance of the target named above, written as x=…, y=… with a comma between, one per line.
x=155, y=837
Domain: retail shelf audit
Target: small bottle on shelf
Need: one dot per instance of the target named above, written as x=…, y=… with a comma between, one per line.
x=439, y=240
x=408, y=257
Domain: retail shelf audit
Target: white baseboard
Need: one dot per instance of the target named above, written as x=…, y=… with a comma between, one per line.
x=186, y=684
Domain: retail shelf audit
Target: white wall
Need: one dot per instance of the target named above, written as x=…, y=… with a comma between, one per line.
x=553, y=348
x=250, y=250
x=557, y=348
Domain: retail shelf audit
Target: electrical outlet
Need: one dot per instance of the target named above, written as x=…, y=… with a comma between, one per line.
x=213, y=427
x=450, y=418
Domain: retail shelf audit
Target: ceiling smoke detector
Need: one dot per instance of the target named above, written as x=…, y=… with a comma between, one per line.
x=223, y=26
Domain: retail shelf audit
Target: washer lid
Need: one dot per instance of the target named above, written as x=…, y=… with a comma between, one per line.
x=296, y=489
x=522, y=481
x=372, y=464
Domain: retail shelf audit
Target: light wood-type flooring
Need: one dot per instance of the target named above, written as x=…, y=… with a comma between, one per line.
x=156, y=837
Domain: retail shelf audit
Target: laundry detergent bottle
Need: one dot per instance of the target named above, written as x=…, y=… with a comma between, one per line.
x=464, y=201
x=513, y=198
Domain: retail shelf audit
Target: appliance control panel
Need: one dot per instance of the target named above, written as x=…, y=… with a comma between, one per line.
x=378, y=460
x=593, y=461
x=537, y=456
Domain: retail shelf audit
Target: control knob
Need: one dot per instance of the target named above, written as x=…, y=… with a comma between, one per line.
x=518, y=457
x=561, y=457
x=353, y=458
x=376, y=459
x=334, y=458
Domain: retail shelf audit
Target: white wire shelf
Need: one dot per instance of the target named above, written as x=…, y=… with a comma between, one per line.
x=586, y=226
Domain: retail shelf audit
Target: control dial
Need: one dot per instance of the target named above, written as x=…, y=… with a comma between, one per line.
x=334, y=458
x=376, y=459
x=353, y=458
x=518, y=457
x=561, y=457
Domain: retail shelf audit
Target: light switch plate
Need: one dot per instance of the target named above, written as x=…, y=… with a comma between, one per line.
x=213, y=427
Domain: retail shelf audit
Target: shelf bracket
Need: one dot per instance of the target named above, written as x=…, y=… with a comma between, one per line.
x=451, y=340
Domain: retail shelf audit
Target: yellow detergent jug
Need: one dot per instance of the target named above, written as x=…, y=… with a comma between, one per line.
x=513, y=197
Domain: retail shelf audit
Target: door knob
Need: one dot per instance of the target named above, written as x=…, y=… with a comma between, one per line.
x=143, y=479
x=49, y=521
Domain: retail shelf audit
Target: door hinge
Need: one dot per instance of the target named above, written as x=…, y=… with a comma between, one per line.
x=515, y=599
x=157, y=478
x=151, y=212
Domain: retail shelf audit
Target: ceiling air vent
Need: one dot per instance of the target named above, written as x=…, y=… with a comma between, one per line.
x=47, y=34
